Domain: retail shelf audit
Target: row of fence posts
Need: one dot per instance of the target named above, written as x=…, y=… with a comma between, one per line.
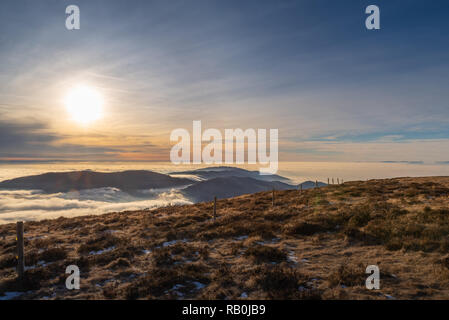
x=272, y=194
x=338, y=181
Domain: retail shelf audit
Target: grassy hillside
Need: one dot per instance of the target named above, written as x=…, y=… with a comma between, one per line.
x=313, y=244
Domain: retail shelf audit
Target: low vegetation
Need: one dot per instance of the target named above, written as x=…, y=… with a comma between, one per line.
x=313, y=244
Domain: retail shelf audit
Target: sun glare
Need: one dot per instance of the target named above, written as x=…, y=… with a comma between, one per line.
x=84, y=104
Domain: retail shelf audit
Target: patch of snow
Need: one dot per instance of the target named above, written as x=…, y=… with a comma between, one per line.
x=241, y=238
x=188, y=261
x=244, y=295
x=177, y=287
x=169, y=243
x=146, y=251
x=180, y=294
x=304, y=260
x=343, y=286
x=292, y=257
x=10, y=295
x=104, y=282
x=390, y=297
x=198, y=285
x=101, y=251
x=39, y=264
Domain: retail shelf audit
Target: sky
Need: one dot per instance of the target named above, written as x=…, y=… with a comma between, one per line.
x=334, y=90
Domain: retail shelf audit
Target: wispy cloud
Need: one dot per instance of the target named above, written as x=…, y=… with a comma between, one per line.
x=307, y=68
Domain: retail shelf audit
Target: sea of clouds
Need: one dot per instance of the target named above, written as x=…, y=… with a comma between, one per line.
x=29, y=205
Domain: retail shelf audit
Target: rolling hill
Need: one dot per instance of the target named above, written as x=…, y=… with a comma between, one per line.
x=53, y=182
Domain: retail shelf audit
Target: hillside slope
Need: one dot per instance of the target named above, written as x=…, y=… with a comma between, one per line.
x=314, y=244
x=227, y=187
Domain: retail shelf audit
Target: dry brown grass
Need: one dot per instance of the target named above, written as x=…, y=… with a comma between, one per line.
x=313, y=244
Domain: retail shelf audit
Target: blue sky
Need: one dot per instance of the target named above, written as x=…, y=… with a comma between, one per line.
x=335, y=90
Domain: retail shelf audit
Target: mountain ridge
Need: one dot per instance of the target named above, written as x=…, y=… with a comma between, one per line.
x=52, y=182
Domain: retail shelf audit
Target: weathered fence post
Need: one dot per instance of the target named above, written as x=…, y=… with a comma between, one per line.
x=272, y=197
x=327, y=180
x=338, y=181
x=316, y=183
x=332, y=180
x=20, y=260
x=215, y=207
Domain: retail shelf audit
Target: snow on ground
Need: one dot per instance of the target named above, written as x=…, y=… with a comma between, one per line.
x=101, y=251
x=11, y=295
x=169, y=243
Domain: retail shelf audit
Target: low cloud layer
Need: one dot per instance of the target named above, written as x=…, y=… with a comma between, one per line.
x=33, y=205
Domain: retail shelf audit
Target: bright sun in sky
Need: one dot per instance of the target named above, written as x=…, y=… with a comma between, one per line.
x=84, y=104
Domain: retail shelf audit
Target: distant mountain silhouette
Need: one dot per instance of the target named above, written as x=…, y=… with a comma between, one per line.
x=53, y=182
x=230, y=187
x=226, y=172
x=223, y=182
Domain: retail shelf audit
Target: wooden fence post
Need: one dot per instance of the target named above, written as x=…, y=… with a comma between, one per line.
x=327, y=180
x=272, y=197
x=20, y=259
x=316, y=183
x=215, y=207
x=338, y=181
x=332, y=180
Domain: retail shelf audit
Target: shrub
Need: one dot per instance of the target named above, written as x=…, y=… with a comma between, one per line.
x=348, y=275
x=120, y=262
x=281, y=282
x=304, y=229
x=359, y=217
x=266, y=254
x=53, y=254
x=102, y=242
x=7, y=261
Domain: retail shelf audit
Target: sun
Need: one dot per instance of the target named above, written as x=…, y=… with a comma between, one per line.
x=84, y=104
